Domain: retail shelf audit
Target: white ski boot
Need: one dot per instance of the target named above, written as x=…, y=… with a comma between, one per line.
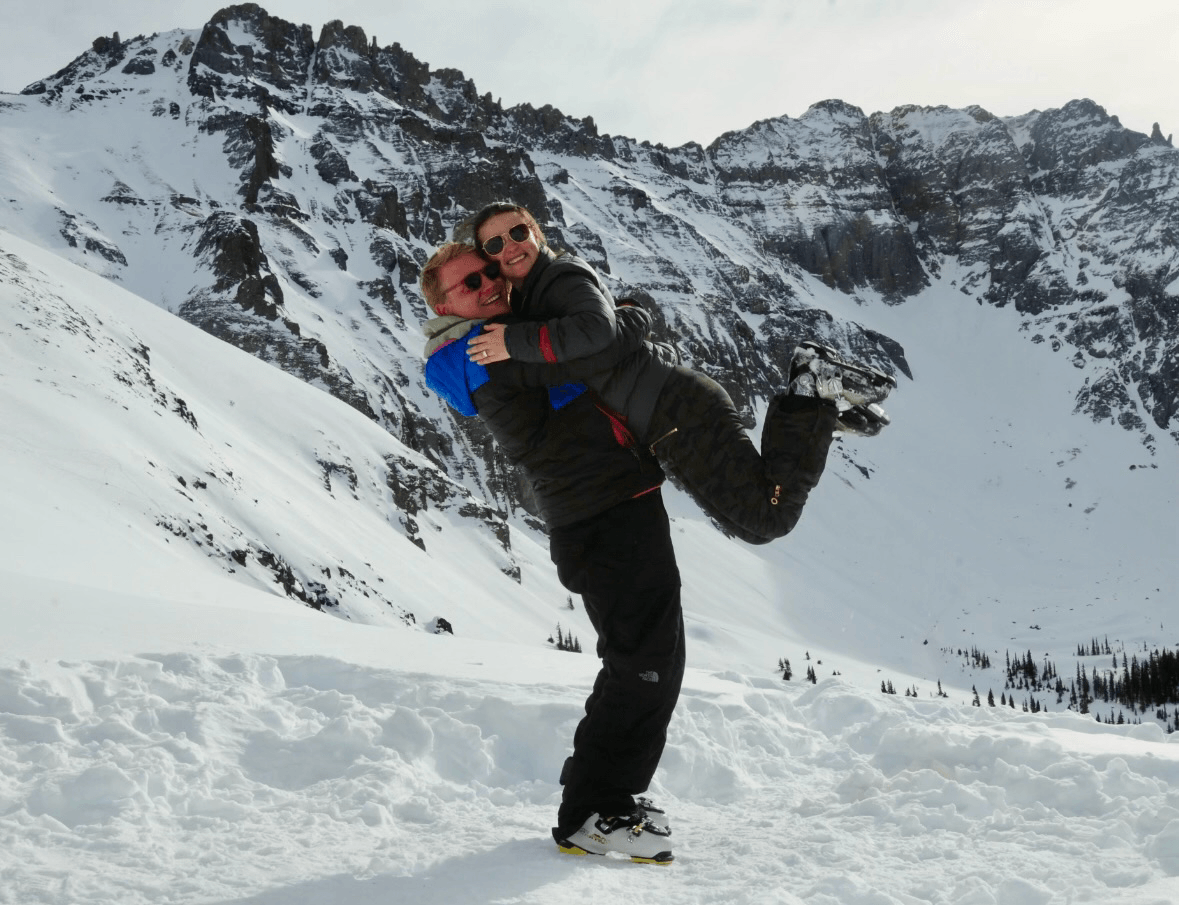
x=634, y=836
x=856, y=389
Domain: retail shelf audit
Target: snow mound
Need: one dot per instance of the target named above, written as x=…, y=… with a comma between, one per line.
x=200, y=775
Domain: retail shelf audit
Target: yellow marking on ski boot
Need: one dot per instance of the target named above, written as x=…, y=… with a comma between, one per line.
x=571, y=849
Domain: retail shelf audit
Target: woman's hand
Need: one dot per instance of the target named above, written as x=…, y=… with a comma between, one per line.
x=489, y=346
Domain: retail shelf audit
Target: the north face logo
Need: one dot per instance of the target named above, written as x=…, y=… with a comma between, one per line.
x=649, y=676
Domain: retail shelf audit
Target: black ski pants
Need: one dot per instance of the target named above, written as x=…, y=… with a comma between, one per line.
x=623, y=565
x=697, y=434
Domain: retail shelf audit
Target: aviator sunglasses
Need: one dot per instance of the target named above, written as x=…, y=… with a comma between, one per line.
x=474, y=280
x=495, y=244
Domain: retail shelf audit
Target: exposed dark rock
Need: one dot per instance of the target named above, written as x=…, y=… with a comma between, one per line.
x=379, y=206
x=140, y=65
x=240, y=264
x=331, y=165
x=86, y=236
x=270, y=69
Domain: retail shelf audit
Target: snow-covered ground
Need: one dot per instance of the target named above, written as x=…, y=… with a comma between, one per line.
x=174, y=732
x=233, y=748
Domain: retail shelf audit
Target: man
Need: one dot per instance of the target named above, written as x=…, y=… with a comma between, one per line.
x=610, y=540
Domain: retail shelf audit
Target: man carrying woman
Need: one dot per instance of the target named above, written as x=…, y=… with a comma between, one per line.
x=509, y=358
x=610, y=538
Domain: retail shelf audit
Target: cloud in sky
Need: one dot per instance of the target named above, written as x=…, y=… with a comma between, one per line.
x=687, y=70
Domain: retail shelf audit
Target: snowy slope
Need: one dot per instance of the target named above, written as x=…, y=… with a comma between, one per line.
x=975, y=517
x=244, y=751
x=138, y=446
x=173, y=731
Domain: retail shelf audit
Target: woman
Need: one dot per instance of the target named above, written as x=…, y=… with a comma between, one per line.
x=684, y=417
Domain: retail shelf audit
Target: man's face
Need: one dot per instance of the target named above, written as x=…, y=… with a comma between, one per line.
x=489, y=298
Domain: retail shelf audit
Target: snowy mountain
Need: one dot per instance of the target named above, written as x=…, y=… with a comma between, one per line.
x=173, y=730
x=280, y=193
x=179, y=719
x=280, y=190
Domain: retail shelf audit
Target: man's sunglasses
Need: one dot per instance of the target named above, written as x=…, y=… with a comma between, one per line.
x=474, y=279
x=495, y=244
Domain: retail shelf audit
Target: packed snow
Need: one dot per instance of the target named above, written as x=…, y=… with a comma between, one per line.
x=172, y=731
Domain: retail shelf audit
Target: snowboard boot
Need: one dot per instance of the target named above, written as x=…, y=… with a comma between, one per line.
x=855, y=388
x=634, y=836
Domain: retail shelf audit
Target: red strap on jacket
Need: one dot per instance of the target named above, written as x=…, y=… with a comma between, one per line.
x=546, y=345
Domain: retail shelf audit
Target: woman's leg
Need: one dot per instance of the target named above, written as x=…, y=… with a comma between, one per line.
x=760, y=494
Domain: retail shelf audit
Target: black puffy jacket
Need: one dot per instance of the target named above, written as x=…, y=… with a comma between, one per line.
x=569, y=316
x=577, y=455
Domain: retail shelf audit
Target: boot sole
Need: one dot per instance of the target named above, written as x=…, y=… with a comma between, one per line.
x=875, y=417
x=568, y=848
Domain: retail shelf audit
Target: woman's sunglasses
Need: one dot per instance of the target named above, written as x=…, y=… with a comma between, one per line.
x=495, y=244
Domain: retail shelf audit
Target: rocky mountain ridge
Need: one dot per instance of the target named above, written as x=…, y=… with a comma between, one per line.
x=281, y=191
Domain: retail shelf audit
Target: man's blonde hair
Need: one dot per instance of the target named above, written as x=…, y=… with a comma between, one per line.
x=432, y=290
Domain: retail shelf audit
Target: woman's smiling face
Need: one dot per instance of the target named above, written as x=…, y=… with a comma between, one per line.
x=516, y=258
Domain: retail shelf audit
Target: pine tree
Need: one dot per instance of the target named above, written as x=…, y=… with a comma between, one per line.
x=566, y=640
x=976, y=702
x=990, y=698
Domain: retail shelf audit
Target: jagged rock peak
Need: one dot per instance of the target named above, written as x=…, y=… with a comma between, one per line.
x=1080, y=133
x=824, y=116
x=348, y=37
x=277, y=57
x=104, y=53
x=837, y=110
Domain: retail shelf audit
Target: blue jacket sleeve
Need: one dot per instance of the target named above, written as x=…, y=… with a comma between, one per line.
x=454, y=377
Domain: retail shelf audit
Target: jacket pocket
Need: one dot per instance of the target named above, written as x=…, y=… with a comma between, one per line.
x=622, y=433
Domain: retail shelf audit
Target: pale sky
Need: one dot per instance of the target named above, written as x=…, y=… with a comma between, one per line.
x=674, y=71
